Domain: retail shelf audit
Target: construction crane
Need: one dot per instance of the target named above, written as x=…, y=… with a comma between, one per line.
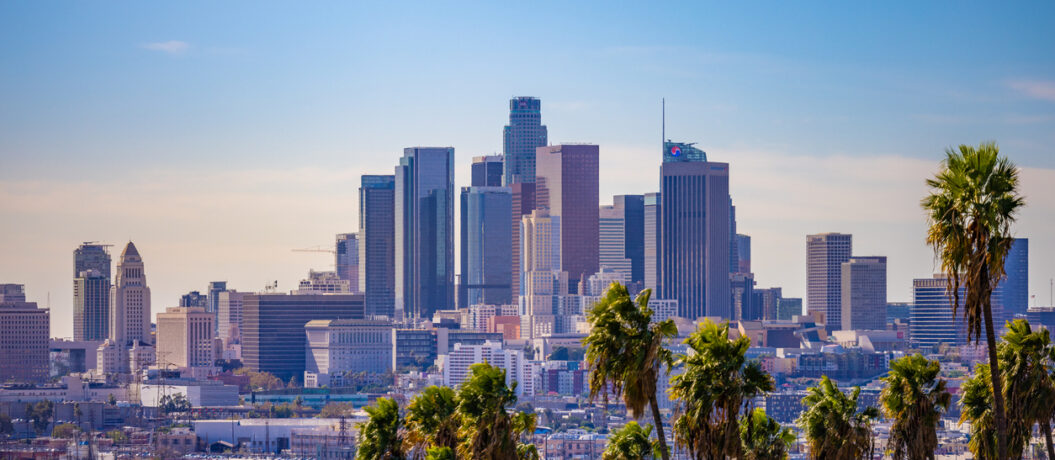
x=315, y=249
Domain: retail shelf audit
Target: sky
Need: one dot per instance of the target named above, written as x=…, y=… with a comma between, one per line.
x=219, y=136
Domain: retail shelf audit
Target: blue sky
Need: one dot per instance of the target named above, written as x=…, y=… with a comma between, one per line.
x=207, y=127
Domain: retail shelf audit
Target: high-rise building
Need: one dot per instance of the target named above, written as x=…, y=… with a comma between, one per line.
x=611, y=224
x=743, y=253
x=213, y=306
x=633, y=233
x=518, y=371
x=194, y=299
x=377, y=244
x=542, y=281
x=931, y=319
x=92, y=256
x=695, y=225
x=424, y=213
x=185, y=337
x=651, y=242
x=1015, y=285
x=229, y=317
x=91, y=306
x=524, y=133
x=825, y=254
x=486, y=246
x=346, y=255
x=323, y=282
x=742, y=301
x=788, y=308
x=523, y=204
x=487, y=171
x=864, y=294
x=769, y=306
x=25, y=331
x=130, y=301
x=273, y=327
x=566, y=183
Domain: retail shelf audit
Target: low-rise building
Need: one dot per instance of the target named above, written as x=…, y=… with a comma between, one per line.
x=455, y=365
x=337, y=348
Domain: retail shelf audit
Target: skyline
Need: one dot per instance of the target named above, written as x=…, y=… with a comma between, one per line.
x=234, y=177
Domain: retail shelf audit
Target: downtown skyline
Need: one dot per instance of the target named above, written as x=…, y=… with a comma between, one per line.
x=228, y=196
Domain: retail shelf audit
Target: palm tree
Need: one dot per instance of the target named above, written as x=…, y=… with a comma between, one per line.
x=833, y=425
x=381, y=436
x=631, y=442
x=1025, y=362
x=763, y=438
x=973, y=201
x=976, y=406
x=431, y=420
x=625, y=353
x=488, y=431
x=439, y=453
x=718, y=380
x=914, y=399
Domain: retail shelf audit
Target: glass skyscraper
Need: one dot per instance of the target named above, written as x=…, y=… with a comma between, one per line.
x=346, y=258
x=377, y=243
x=522, y=136
x=424, y=216
x=1015, y=285
x=567, y=185
x=91, y=292
x=487, y=274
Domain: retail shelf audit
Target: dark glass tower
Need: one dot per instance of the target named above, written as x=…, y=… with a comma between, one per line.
x=377, y=243
x=424, y=218
x=1016, y=282
x=487, y=274
x=91, y=292
x=522, y=136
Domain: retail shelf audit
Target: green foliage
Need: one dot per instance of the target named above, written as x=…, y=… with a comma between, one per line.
x=65, y=431
x=174, y=403
x=625, y=351
x=717, y=382
x=432, y=420
x=833, y=426
x=439, y=453
x=631, y=442
x=567, y=354
x=487, y=430
x=6, y=427
x=40, y=414
x=976, y=403
x=762, y=438
x=117, y=436
x=111, y=400
x=914, y=399
x=336, y=410
x=380, y=437
x=261, y=380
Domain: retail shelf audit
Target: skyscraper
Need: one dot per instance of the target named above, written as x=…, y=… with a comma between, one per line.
x=424, y=231
x=130, y=301
x=542, y=281
x=612, y=240
x=194, y=299
x=229, y=317
x=91, y=256
x=1015, y=285
x=622, y=237
x=185, y=337
x=567, y=185
x=864, y=293
x=651, y=242
x=377, y=244
x=825, y=254
x=743, y=253
x=346, y=255
x=25, y=331
x=487, y=251
x=523, y=204
x=524, y=133
x=931, y=320
x=694, y=225
x=213, y=305
x=487, y=171
x=91, y=306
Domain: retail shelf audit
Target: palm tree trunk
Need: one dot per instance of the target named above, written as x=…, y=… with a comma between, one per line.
x=1046, y=427
x=999, y=415
x=658, y=421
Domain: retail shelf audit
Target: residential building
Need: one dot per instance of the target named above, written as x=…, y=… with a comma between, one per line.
x=337, y=348
x=424, y=216
x=456, y=365
x=695, y=232
x=91, y=306
x=185, y=338
x=346, y=259
x=864, y=293
x=25, y=331
x=377, y=244
x=524, y=133
x=825, y=254
x=566, y=181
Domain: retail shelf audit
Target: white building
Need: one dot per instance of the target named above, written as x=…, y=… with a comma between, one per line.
x=479, y=314
x=229, y=317
x=612, y=240
x=200, y=393
x=185, y=338
x=323, y=283
x=263, y=434
x=339, y=347
x=129, y=309
x=455, y=365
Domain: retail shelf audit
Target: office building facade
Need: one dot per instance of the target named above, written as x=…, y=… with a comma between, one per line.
x=566, y=184
x=377, y=244
x=487, y=276
x=652, y=248
x=339, y=348
x=229, y=329
x=130, y=301
x=1015, y=284
x=524, y=133
x=26, y=333
x=185, y=338
x=91, y=306
x=825, y=254
x=523, y=194
x=92, y=256
x=346, y=259
x=864, y=293
x=486, y=171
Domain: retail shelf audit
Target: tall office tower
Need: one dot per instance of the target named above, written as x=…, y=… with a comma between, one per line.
x=130, y=301
x=487, y=251
x=825, y=254
x=694, y=227
x=769, y=304
x=194, y=299
x=522, y=136
x=633, y=234
x=26, y=332
x=523, y=204
x=91, y=256
x=1015, y=285
x=931, y=320
x=424, y=231
x=213, y=306
x=742, y=300
x=543, y=281
x=185, y=337
x=734, y=252
x=273, y=327
x=651, y=242
x=346, y=261
x=864, y=293
x=566, y=183
x=611, y=224
x=377, y=244
x=788, y=308
x=91, y=306
x=743, y=253
x=487, y=171
x=229, y=317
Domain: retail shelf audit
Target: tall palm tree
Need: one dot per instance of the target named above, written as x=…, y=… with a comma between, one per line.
x=763, y=438
x=381, y=436
x=631, y=442
x=488, y=431
x=625, y=353
x=716, y=383
x=914, y=399
x=970, y=209
x=431, y=420
x=976, y=406
x=1025, y=362
x=833, y=425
